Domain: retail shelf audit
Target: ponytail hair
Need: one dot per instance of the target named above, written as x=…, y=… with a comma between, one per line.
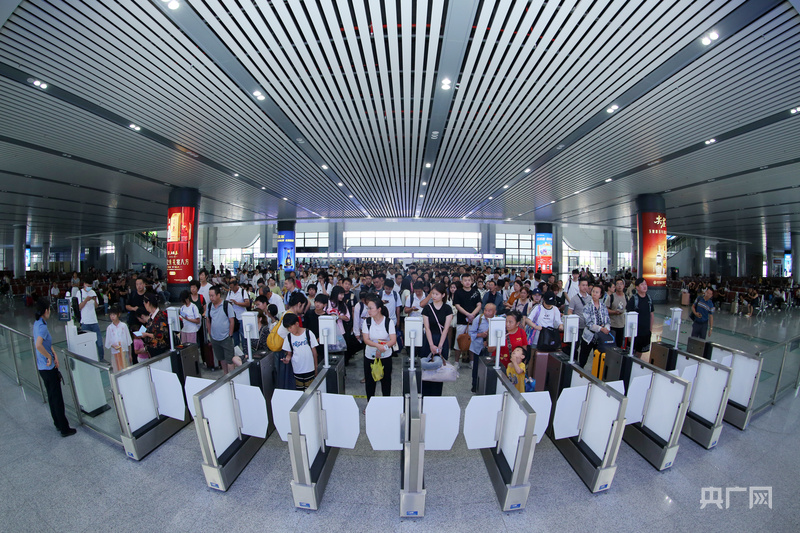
x=42, y=305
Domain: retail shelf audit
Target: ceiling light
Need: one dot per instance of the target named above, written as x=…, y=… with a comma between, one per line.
x=351, y=196
x=262, y=97
x=713, y=35
x=795, y=110
x=324, y=167
x=552, y=201
x=174, y=4
x=37, y=83
x=263, y=188
x=424, y=183
x=668, y=190
x=43, y=86
x=491, y=198
x=527, y=170
x=446, y=81
x=286, y=199
x=711, y=141
x=421, y=196
x=609, y=180
x=711, y=180
x=235, y=175
x=519, y=214
x=428, y=165
x=612, y=108
x=706, y=41
x=505, y=186
x=508, y=219
x=340, y=184
x=132, y=126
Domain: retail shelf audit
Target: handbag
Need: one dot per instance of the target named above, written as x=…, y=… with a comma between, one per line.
x=377, y=369
x=530, y=385
x=431, y=363
x=548, y=340
x=463, y=341
x=340, y=345
x=440, y=375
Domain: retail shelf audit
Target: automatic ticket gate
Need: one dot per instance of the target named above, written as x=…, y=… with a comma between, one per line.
x=657, y=405
x=150, y=403
x=710, y=385
x=587, y=422
x=315, y=423
x=412, y=424
x=232, y=418
x=505, y=425
x=745, y=373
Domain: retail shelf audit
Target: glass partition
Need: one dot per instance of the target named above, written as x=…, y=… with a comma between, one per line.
x=92, y=401
x=791, y=368
x=26, y=362
x=7, y=354
x=767, y=381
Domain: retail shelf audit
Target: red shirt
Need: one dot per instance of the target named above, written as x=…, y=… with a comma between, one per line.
x=513, y=340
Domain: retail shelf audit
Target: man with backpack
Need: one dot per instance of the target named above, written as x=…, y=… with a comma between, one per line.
x=642, y=304
x=220, y=320
x=300, y=346
x=240, y=300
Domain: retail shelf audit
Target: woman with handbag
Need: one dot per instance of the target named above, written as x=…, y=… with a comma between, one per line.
x=379, y=345
x=338, y=307
x=437, y=317
x=598, y=325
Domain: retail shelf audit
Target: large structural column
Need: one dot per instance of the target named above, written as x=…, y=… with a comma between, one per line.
x=20, y=232
x=45, y=256
x=559, y=268
x=119, y=252
x=651, y=241
x=266, y=239
x=209, y=243
x=75, y=258
x=183, y=213
x=488, y=238
x=699, y=257
x=336, y=237
x=796, y=257
x=611, y=242
x=741, y=260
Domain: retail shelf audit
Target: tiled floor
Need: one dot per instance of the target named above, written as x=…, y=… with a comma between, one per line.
x=84, y=483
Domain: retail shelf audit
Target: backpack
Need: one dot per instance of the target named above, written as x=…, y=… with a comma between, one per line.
x=308, y=339
x=225, y=309
x=636, y=300
x=274, y=340
x=386, y=321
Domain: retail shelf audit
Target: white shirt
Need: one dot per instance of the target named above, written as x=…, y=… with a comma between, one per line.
x=277, y=300
x=571, y=287
x=360, y=312
x=392, y=301
x=238, y=296
x=120, y=335
x=323, y=287
x=377, y=333
x=88, y=314
x=189, y=311
x=204, y=291
x=547, y=318
x=415, y=301
x=302, y=356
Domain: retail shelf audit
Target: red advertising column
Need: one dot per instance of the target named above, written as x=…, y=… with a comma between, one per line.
x=651, y=260
x=182, y=218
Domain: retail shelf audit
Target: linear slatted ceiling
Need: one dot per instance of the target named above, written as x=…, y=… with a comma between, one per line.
x=222, y=124
x=342, y=87
x=662, y=31
x=757, y=78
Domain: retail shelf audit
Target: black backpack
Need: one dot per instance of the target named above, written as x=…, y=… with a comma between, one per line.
x=308, y=339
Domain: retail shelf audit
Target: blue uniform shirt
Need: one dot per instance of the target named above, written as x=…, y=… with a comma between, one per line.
x=40, y=330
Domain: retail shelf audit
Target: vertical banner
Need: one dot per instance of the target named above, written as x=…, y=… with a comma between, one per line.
x=286, y=251
x=180, y=244
x=544, y=252
x=653, y=238
x=787, y=265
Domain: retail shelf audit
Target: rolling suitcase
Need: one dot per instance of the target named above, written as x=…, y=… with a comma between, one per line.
x=685, y=298
x=539, y=372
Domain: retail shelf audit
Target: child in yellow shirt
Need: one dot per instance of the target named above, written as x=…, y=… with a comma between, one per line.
x=516, y=370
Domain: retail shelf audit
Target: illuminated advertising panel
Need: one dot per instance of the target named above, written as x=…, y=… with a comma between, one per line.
x=544, y=252
x=286, y=250
x=653, y=230
x=180, y=244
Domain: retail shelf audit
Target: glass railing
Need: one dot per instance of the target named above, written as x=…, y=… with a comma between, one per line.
x=91, y=399
x=780, y=373
x=17, y=359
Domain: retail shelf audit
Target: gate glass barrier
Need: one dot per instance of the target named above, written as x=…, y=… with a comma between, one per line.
x=90, y=398
x=780, y=373
x=18, y=361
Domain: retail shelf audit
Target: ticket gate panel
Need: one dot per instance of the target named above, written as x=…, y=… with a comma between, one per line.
x=442, y=421
x=168, y=394
x=192, y=386
x=342, y=422
x=480, y=412
x=282, y=402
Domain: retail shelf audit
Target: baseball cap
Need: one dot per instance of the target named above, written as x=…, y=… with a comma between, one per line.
x=537, y=290
x=549, y=298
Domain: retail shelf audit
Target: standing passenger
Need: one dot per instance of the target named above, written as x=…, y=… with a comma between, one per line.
x=47, y=364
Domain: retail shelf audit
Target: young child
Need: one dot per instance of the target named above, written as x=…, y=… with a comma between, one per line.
x=191, y=319
x=118, y=340
x=300, y=347
x=516, y=370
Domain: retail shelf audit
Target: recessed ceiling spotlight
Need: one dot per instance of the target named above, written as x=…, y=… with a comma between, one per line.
x=519, y=214
x=552, y=201
x=445, y=87
x=527, y=170
x=711, y=141
x=612, y=108
x=428, y=165
x=712, y=180
x=260, y=97
x=340, y=184
x=37, y=83
x=491, y=198
x=132, y=126
x=508, y=219
x=609, y=180
x=706, y=41
x=424, y=183
x=263, y=188
x=174, y=4
x=286, y=199
x=505, y=186
x=324, y=167
x=446, y=81
x=351, y=196
x=421, y=195
x=713, y=35
x=668, y=190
